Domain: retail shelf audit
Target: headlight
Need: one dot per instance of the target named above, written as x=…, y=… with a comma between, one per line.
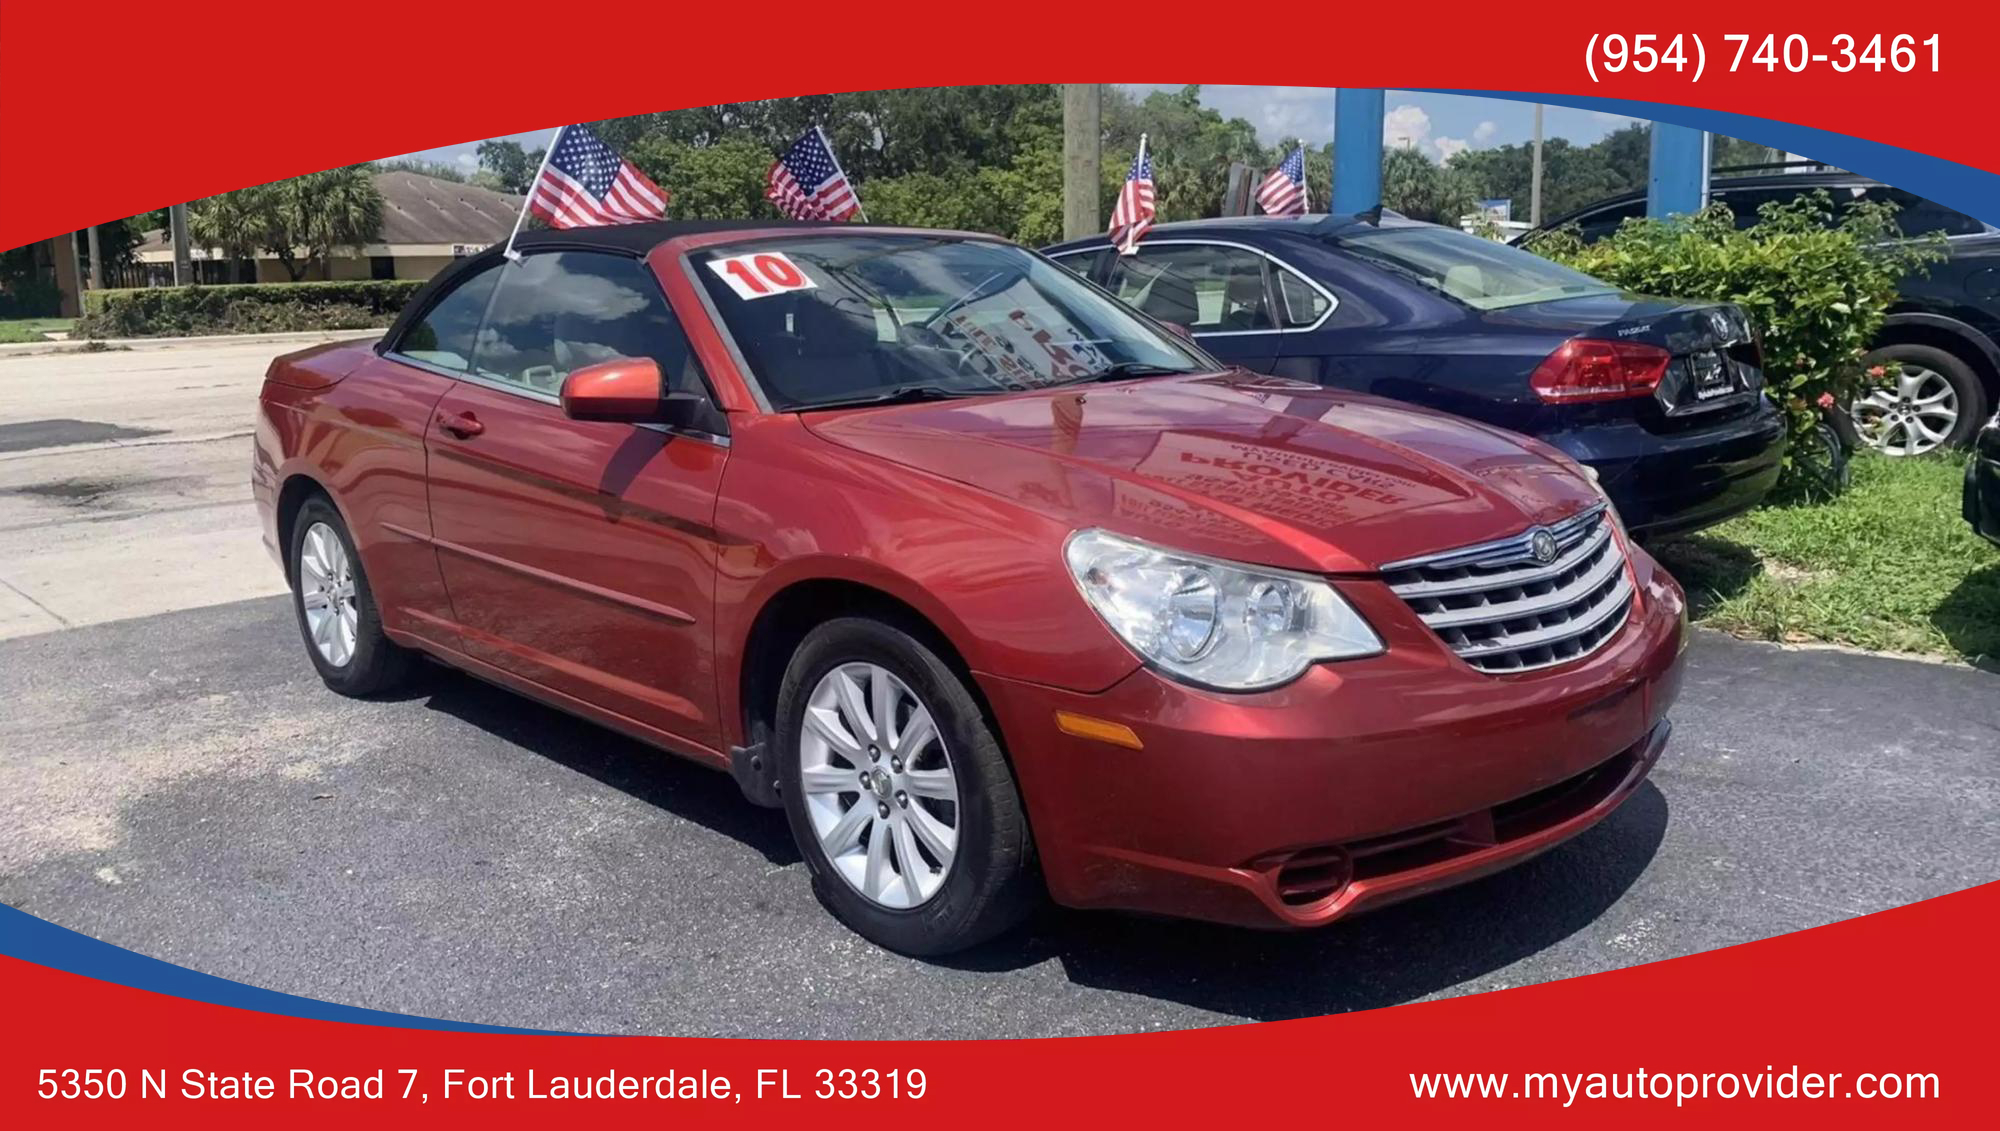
x=1234, y=627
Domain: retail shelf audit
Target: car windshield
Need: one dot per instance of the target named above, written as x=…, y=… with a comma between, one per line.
x=835, y=320
x=1480, y=273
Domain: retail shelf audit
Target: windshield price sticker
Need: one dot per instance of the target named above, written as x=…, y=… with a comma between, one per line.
x=761, y=274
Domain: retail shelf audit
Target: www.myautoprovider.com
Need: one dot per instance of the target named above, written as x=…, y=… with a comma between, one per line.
x=1772, y=1083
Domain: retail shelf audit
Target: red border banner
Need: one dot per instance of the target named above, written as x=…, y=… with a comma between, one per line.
x=1904, y=994
x=107, y=110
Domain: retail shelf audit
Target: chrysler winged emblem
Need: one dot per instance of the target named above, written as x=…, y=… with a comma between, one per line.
x=1543, y=545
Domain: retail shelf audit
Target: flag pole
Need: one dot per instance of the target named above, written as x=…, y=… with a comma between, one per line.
x=510, y=253
x=859, y=210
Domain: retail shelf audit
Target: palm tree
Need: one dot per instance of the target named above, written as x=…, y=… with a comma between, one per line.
x=300, y=221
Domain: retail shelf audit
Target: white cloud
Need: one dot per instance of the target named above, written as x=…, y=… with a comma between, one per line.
x=1406, y=127
x=1450, y=147
x=1484, y=132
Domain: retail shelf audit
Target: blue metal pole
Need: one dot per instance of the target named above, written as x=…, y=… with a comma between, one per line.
x=1357, y=149
x=1677, y=179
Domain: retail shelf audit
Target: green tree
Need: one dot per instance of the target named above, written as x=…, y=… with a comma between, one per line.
x=1421, y=189
x=713, y=182
x=512, y=166
x=435, y=169
x=1192, y=146
x=299, y=220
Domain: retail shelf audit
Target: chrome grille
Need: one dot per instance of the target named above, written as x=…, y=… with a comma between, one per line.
x=1504, y=611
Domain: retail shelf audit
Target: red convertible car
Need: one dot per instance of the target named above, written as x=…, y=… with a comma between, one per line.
x=995, y=585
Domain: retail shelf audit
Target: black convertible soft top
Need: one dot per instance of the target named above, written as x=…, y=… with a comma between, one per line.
x=621, y=239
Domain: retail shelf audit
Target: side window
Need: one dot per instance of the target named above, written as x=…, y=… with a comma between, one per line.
x=1919, y=217
x=561, y=311
x=1605, y=221
x=1083, y=263
x=1744, y=202
x=444, y=335
x=1303, y=304
x=1204, y=287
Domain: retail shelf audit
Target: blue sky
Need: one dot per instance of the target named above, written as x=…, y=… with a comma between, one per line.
x=1438, y=124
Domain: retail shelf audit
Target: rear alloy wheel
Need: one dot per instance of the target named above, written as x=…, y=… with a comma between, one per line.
x=1934, y=402
x=336, y=609
x=898, y=793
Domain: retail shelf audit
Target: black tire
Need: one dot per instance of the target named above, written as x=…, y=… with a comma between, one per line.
x=991, y=884
x=1973, y=405
x=377, y=664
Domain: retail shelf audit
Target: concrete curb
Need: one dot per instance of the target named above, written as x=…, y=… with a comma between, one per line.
x=77, y=345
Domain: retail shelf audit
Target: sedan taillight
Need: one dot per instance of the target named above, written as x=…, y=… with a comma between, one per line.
x=1587, y=369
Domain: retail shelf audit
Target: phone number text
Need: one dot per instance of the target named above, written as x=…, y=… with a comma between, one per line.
x=1685, y=53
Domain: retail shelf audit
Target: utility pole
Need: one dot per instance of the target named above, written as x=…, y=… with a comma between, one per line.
x=177, y=230
x=1083, y=138
x=1535, y=185
x=96, y=260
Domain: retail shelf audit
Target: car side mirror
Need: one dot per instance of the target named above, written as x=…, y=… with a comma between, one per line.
x=629, y=390
x=1177, y=328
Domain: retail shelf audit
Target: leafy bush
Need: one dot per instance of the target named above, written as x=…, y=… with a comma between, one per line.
x=1816, y=289
x=250, y=308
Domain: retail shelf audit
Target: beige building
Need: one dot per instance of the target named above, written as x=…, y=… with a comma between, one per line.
x=426, y=223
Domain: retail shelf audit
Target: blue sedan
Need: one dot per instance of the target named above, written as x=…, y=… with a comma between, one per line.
x=1664, y=399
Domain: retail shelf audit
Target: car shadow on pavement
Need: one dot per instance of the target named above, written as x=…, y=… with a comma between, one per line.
x=1969, y=617
x=664, y=781
x=1408, y=951
x=1402, y=953
x=1710, y=569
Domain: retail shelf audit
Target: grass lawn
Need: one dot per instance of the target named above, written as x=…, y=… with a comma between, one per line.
x=30, y=329
x=1890, y=566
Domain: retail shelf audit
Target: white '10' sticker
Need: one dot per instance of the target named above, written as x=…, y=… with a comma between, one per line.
x=761, y=274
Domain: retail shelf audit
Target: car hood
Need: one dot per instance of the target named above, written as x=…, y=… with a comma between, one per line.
x=1236, y=466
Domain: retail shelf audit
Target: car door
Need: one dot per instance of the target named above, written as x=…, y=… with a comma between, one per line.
x=580, y=554
x=386, y=408
x=1220, y=292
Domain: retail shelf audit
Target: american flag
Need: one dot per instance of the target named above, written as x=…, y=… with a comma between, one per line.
x=1283, y=193
x=585, y=184
x=1135, y=209
x=807, y=182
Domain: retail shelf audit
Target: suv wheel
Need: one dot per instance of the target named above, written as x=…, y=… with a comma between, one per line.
x=898, y=793
x=1936, y=402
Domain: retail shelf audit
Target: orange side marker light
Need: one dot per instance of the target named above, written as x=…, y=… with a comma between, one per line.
x=1083, y=726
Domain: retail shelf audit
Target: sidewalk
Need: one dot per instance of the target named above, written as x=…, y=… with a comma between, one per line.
x=81, y=345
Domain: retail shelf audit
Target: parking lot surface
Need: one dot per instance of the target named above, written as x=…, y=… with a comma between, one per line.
x=124, y=483
x=182, y=785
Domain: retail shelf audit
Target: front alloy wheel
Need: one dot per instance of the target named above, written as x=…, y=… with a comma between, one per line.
x=1917, y=412
x=897, y=789
x=878, y=786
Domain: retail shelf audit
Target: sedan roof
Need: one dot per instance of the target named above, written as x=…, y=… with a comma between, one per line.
x=1318, y=225
x=641, y=238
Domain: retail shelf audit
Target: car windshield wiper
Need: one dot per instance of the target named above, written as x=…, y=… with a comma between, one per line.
x=901, y=394
x=1126, y=370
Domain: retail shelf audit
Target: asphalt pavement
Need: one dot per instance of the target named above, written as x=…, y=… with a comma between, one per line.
x=182, y=785
x=124, y=481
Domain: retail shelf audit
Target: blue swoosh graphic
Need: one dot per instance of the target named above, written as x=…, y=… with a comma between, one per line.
x=43, y=943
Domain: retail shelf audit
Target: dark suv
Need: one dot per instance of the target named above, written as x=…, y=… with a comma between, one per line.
x=1944, y=332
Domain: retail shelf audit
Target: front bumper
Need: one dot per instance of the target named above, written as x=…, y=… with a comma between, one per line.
x=1359, y=784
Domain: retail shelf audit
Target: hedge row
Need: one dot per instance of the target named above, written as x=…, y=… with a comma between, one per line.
x=247, y=308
